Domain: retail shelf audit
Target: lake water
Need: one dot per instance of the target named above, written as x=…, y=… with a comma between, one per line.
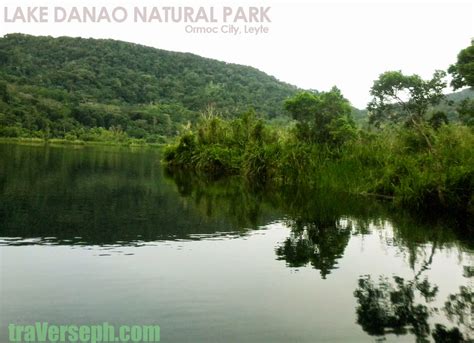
x=104, y=234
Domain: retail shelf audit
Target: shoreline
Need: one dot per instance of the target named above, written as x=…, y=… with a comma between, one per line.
x=77, y=142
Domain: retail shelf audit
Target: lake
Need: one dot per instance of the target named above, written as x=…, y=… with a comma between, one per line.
x=93, y=234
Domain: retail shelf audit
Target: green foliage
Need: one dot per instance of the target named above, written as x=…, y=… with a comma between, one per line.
x=437, y=119
x=322, y=117
x=218, y=146
x=395, y=164
x=303, y=106
x=4, y=94
x=451, y=104
x=76, y=90
x=65, y=84
x=466, y=112
x=360, y=117
x=33, y=112
x=402, y=98
x=463, y=70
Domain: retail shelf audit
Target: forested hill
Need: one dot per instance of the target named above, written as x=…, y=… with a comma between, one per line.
x=88, y=82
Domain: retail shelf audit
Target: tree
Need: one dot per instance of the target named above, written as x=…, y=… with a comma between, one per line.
x=463, y=70
x=398, y=97
x=438, y=119
x=104, y=83
x=4, y=95
x=322, y=117
x=303, y=106
x=405, y=99
x=466, y=112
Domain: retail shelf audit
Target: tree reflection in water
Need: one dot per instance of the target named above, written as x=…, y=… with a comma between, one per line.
x=387, y=307
x=402, y=306
x=459, y=309
x=322, y=224
x=317, y=243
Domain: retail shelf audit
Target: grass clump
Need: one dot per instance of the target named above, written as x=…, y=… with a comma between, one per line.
x=394, y=163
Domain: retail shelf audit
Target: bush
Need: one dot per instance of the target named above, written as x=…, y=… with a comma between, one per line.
x=393, y=163
x=11, y=131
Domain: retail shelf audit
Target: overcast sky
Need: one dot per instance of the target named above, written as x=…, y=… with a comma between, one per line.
x=311, y=44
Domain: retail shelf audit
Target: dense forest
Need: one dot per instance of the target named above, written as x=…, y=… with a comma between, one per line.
x=413, y=143
x=104, y=89
x=412, y=150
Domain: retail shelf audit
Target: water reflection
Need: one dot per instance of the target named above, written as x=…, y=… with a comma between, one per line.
x=387, y=307
x=112, y=195
x=321, y=226
x=119, y=199
x=316, y=243
x=459, y=309
x=106, y=195
x=398, y=306
x=226, y=200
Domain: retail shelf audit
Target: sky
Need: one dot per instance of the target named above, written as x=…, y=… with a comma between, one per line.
x=310, y=44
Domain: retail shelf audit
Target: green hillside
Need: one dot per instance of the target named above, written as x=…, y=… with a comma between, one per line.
x=67, y=86
x=453, y=101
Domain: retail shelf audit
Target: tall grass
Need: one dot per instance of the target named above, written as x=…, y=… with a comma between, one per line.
x=393, y=164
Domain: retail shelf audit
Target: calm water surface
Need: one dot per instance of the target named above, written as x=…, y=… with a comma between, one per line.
x=104, y=234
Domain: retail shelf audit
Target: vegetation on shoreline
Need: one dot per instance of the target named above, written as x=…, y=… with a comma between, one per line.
x=106, y=90
x=394, y=163
x=61, y=141
x=70, y=88
x=413, y=144
x=411, y=154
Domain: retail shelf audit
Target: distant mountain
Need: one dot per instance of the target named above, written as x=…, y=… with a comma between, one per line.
x=452, y=101
x=467, y=93
x=63, y=84
x=360, y=117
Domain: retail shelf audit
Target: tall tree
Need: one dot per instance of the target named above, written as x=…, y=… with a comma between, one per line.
x=463, y=70
x=405, y=99
x=463, y=75
x=321, y=116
